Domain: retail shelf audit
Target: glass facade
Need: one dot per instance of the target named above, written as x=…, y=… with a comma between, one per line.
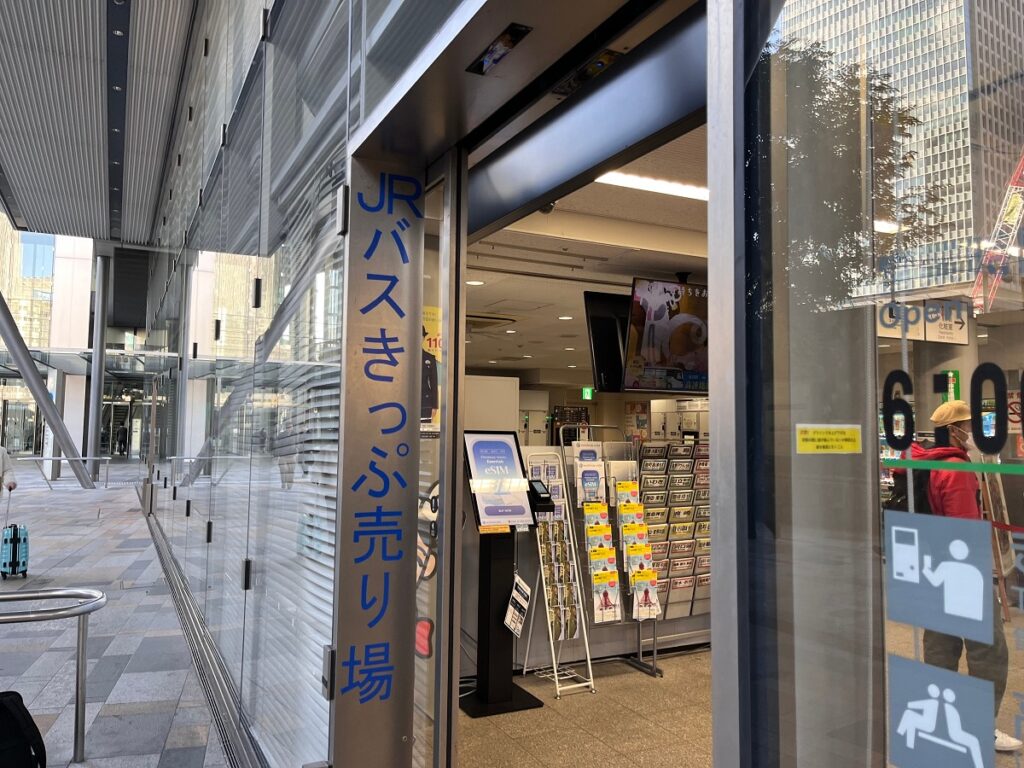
x=883, y=194
x=251, y=298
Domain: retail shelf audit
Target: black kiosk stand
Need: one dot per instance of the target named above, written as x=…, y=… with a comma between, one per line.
x=495, y=693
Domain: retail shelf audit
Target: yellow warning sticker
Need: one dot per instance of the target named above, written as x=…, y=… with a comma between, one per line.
x=828, y=438
x=485, y=529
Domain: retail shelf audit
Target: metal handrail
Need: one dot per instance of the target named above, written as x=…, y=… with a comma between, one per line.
x=91, y=600
x=105, y=460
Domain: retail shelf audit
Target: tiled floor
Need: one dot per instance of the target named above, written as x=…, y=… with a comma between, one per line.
x=145, y=706
x=632, y=720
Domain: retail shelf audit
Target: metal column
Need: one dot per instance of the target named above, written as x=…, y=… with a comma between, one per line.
x=99, y=348
x=184, y=355
x=26, y=365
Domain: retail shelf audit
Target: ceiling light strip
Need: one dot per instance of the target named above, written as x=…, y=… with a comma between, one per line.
x=118, y=28
x=660, y=186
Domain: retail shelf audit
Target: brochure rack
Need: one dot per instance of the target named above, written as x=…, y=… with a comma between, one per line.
x=627, y=452
x=565, y=678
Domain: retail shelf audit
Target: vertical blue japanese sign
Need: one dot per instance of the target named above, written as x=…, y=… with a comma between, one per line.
x=375, y=609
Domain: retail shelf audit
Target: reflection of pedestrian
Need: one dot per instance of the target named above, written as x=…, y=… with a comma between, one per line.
x=955, y=494
x=122, y=440
x=7, y=470
x=285, y=450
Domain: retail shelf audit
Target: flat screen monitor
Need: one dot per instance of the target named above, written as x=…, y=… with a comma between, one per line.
x=607, y=325
x=667, y=344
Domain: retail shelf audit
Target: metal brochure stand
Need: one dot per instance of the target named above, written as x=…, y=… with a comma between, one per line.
x=565, y=678
x=637, y=662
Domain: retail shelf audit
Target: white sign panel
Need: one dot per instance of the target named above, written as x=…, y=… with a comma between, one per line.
x=894, y=319
x=947, y=321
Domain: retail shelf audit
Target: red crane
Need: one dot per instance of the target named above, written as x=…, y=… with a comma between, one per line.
x=994, y=264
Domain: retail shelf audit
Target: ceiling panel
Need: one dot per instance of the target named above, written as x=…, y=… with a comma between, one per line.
x=683, y=160
x=553, y=272
x=54, y=90
x=158, y=34
x=53, y=121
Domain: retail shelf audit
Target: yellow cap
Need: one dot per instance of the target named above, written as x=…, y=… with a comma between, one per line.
x=951, y=413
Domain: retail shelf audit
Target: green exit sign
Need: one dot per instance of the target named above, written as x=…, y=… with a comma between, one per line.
x=588, y=393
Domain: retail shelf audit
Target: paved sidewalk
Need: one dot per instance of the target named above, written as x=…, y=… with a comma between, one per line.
x=145, y=706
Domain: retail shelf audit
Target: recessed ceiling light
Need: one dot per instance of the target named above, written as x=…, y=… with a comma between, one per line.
x=570, y=349
x=510, y=331
x=493, y=362
x=661, y=186
x=474, y=282
x=572, y=366
x=118, y=33
x=565, y=317
x=528, y=356
x=118, y=88
x=116, y=130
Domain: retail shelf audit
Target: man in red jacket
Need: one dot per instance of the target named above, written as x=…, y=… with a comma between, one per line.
x=956, y=494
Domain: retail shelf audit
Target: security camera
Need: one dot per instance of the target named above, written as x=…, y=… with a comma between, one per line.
x=548, y=207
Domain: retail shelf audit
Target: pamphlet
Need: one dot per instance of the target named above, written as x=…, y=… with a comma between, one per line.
x=627, y=491
x=595, y=513
x=590, y=484
x=607, y=605
x=518, y=605
x=639, y=557
x=631, y=513
x=587, y=450
x=644, y=586
x=599, y=536
x=634, y=533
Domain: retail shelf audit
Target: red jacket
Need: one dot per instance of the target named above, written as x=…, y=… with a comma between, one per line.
x=950, y=494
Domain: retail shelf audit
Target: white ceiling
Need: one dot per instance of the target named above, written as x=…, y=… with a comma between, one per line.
x=53, y=121
x=531, y=279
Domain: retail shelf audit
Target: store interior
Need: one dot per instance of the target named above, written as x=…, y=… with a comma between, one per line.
x=549, y=308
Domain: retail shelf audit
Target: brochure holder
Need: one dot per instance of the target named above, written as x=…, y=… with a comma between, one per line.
x=639, y=661
x=565, y=677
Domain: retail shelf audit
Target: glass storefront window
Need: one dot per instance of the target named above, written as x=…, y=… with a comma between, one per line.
x=884, y=198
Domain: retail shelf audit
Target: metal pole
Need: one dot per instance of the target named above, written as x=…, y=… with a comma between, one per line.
x=99, y=348
x=27, y=366
x=80, y=669
x=185, y=355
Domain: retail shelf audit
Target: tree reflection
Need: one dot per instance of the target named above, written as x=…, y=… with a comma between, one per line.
x=827, y=171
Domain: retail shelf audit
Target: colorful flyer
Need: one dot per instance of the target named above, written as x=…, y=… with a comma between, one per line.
x=634, y=533
x=627, y=492
x=644, y=586
x=639, y=558
x=599, y=536
x=607, y=603
x=595, y=513
x=631, y=513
